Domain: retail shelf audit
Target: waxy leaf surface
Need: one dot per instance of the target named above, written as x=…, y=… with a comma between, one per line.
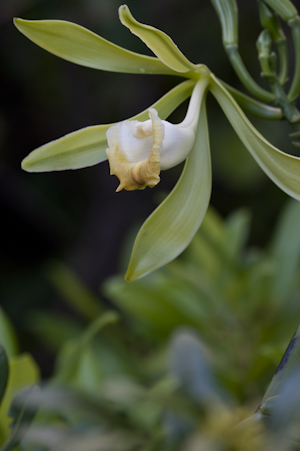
x=282, y=168
x=160, y=44
x=81, y=46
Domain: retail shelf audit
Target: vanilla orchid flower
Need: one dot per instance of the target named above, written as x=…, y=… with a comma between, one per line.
x=139, y=148
x=138, y=151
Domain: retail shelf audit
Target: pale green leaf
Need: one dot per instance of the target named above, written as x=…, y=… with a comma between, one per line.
x=23, y=371
x=4, y=372
x=87, y=147
x=282, y=168
x=160, y=44
x=8, y=337
x=74, y=291
x=285, y=249
x=171, y=227
x=158, y=314
x=81, y=46
x=21, y=414
x=288, y=365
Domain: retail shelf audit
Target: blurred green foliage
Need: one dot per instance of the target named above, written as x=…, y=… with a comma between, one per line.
x=143, y=382
x=187, y=357
x=75, y=216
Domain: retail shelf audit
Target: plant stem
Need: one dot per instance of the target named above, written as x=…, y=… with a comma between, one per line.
x=253, y=106
x=295, y=87
x=283, y=61
x=243, y=74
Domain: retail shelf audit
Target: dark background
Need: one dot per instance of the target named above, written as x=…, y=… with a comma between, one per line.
x=76, y=216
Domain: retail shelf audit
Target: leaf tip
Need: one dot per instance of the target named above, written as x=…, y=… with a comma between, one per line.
x=132, y=275
x=128, y=276
x=125, y=14
x=26, y=164
x=17, y=21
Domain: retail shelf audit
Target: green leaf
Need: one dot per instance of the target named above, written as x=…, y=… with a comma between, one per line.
x=188, y=363
x=283, y=409
x=285, y=249
x=22, y=412
x=4, y=372
x=74, y=291
x=81, y=46
x=253, y=106
x=23, y=371
x=87, y=147
x=282, y=168
x=288, y=365
x=237, y=232
x=78, y=363
x=8, y=337
x=148, y=304
x=171, y=227
x=160, y=44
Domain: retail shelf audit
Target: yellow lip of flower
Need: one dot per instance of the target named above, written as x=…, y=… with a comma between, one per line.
x=139, y=150
x=145, y=136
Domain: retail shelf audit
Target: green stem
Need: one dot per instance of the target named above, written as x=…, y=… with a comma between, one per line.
x=253, y=106
x=295, y=87
x=244, y=76
x=290, y=112
x=283, y=61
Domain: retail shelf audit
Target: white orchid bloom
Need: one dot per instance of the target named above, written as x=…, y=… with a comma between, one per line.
x=138, y=151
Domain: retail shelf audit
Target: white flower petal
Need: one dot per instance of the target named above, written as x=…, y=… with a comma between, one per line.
x=132, y=144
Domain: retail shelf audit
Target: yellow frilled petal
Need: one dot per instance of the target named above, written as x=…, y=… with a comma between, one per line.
x=148, y=136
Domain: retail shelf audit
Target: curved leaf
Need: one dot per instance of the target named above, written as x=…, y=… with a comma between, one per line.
x=253, y=106
x=8, y=337
x=288, y=364
x=81, y=46
x=160, y=44
x=21, y=414
x=171, y=227
x=23, y=371
x=87, y=147
x=282, y=168
x=4, y=372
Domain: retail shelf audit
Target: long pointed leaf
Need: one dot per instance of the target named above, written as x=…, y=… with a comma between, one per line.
x=86, y=147
x=160, y=44
x=282, y=168
x=286, y=251
x=4, y=372
x=289, y=363
x=81, y=46
x=171, y=227
x=22, y=413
